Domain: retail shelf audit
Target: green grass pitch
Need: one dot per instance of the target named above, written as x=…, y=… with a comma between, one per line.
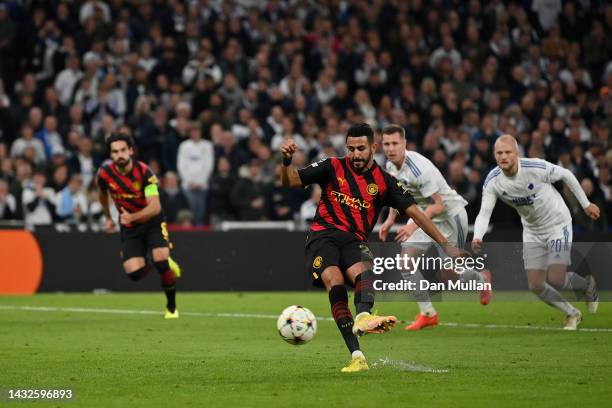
x=509, y=353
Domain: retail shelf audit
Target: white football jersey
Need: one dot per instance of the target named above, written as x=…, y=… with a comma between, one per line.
x=531, y=193
x=423, y=179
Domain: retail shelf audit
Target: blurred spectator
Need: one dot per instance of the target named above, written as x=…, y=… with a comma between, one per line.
x=579, y=218
x=221, y=186
x=67, y=79
x=172, y=197
x=26, y=141
x=71, y=204
x=50, y=138
x=308, y=209
x=284, y=201
x=249, y=195
x=455, y=78
x=195, y=164
x=8, y=204
x=184, y=218
x=38, y=201
x=82, y=162
x=7, y=46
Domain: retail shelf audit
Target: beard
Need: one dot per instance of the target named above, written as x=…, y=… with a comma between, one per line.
x=361, y=163
x=122, y=163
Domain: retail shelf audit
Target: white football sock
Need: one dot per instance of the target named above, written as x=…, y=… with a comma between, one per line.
x=422, y=296
x=357, y=353
x=574, y=281
x=550, y=296
x=427, y=309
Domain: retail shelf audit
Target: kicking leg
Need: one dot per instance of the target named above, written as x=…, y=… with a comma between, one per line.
x=362, y=276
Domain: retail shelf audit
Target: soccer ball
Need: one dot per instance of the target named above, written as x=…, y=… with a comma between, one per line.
x=297, y=325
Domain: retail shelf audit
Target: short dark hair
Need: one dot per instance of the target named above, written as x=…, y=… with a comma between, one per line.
x=393, y=128
x=360, y=130
x=118, y=137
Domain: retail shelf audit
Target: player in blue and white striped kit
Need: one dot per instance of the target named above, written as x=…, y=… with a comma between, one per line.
x=526, y=185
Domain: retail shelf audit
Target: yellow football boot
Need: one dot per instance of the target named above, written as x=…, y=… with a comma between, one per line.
x=356, y=365
x=366, y=323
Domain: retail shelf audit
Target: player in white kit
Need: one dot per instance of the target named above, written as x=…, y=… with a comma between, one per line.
x=526, y=185
x=440, y=203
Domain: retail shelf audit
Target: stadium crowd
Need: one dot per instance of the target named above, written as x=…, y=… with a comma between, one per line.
x=209, y=89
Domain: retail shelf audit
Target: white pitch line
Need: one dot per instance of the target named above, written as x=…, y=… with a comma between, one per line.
x=270, y=316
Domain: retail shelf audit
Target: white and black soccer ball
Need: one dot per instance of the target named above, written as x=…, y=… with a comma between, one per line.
x=297, y=325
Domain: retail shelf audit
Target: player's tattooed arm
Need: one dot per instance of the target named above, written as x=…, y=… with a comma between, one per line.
x=289, y=174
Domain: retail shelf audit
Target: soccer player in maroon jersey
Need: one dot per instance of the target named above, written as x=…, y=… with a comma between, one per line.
x=133, y=187
x=355, y=190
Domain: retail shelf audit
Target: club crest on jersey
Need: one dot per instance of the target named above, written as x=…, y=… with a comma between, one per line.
x=372, y=189
x=136, y=185
x=318, y=261
x=530, y=186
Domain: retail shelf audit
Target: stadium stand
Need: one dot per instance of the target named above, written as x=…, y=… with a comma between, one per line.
x=246, y=74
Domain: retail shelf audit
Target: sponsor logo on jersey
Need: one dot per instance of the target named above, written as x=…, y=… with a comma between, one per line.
x=519, y=201
x=353, y=202
x=341, y=181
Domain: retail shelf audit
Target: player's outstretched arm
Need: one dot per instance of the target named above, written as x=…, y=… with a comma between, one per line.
x=289, y=175
x=590, y=209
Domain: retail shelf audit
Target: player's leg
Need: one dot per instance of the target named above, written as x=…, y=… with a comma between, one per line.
x=536, y=279
x=338, y=299
x=361, y=275
x=168, y=280
x=136, y=268
x=428, y=316
x=322, y=264
x=133, y=252
x=458, y=233
x=157, y=240
x=559, y=258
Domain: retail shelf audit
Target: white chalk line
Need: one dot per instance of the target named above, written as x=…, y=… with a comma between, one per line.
x=270, y=316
